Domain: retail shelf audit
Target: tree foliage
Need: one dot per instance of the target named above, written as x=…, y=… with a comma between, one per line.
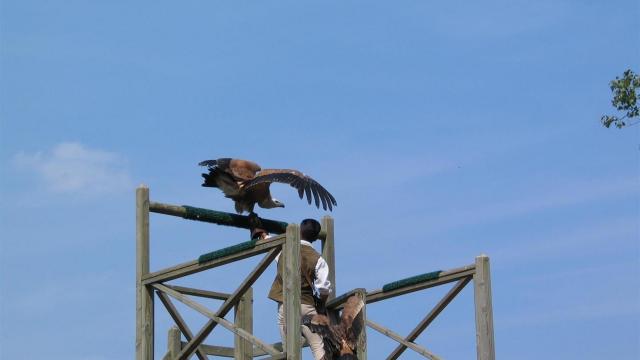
x=625, y=99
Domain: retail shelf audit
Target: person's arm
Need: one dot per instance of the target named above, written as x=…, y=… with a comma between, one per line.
x=322, y=283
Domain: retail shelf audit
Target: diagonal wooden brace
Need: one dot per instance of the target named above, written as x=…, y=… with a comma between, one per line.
x=220, y=320
x=413, y=346
x=227, y=305
x=424, y=323
x=182, y=325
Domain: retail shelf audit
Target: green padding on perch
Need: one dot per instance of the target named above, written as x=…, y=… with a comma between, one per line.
x=224, y=218
x=411, y=281
x=230, y=250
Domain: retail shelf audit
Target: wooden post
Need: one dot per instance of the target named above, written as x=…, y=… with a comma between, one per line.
x=328, y=252
x=244, y=320
x=361, y=350
x=173, y=342
x=144, y=296
x=291, y=281
x=484, y=311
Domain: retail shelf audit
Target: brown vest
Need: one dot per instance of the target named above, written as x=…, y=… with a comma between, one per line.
x=309, y=258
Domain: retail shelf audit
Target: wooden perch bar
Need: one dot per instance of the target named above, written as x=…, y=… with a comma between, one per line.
x=215, y=217
x=444, y=277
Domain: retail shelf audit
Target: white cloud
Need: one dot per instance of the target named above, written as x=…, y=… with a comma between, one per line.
x=74, y=168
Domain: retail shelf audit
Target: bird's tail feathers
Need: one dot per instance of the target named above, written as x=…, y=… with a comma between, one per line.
x=209, y=181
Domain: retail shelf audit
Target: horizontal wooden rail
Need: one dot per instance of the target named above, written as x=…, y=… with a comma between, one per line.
x=222, y=351
x=215, y=217
x=192, y=267
x=443, y=278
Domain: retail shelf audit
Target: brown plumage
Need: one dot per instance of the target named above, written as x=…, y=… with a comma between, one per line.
x=340, y=340
x=247, y=184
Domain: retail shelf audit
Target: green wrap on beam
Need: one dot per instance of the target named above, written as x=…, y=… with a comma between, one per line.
x=411, y=280
x=229, y=219
x=230, y=250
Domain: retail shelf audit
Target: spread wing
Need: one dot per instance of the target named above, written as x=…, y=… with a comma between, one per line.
x=320, y=325
x=352, y=308
x=301, y=182
x=240, y=170
x=351, y=320
x=221, y=180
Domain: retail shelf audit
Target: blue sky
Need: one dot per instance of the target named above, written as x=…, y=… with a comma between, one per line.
x=444, y=130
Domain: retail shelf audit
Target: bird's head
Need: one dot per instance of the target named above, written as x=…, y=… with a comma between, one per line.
x=277, y=203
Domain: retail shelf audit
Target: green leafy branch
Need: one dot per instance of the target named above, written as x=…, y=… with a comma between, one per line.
x=625, y=99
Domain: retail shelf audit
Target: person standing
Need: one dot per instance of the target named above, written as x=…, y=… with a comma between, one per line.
x=314, y=282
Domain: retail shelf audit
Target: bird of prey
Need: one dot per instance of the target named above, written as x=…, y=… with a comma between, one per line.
x=247, y=184
x=340, y=340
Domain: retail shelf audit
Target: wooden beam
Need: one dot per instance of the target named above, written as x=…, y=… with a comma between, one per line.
x=201, y=293
x=216, y=217
x=328, y=251
x=144, y=295
x=173, y=343
x=222, y=351
x=291, y=281
x=484, y=311
x=244, y=320
x=225, y=351
x=278, y=346
x=444, y=278
x=182, y=325
x=360, y=323
x=218, y=319
x=424, y=323
x=192, y=267
x=229, y=303
x=389, y=333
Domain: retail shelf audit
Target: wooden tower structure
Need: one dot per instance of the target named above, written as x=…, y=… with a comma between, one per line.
x=184, y=343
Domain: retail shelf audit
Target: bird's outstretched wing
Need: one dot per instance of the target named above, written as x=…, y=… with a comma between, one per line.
x=351, y=320
x=301, y=182
x=241, y=170
x=320, y=325
x=351, y=310
x=222, y=180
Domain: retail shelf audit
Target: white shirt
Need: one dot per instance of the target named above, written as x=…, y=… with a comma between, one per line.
x=321, y=284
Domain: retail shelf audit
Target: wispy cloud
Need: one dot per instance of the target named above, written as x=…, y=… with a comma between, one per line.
x=561, y=194
x=71, y=167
